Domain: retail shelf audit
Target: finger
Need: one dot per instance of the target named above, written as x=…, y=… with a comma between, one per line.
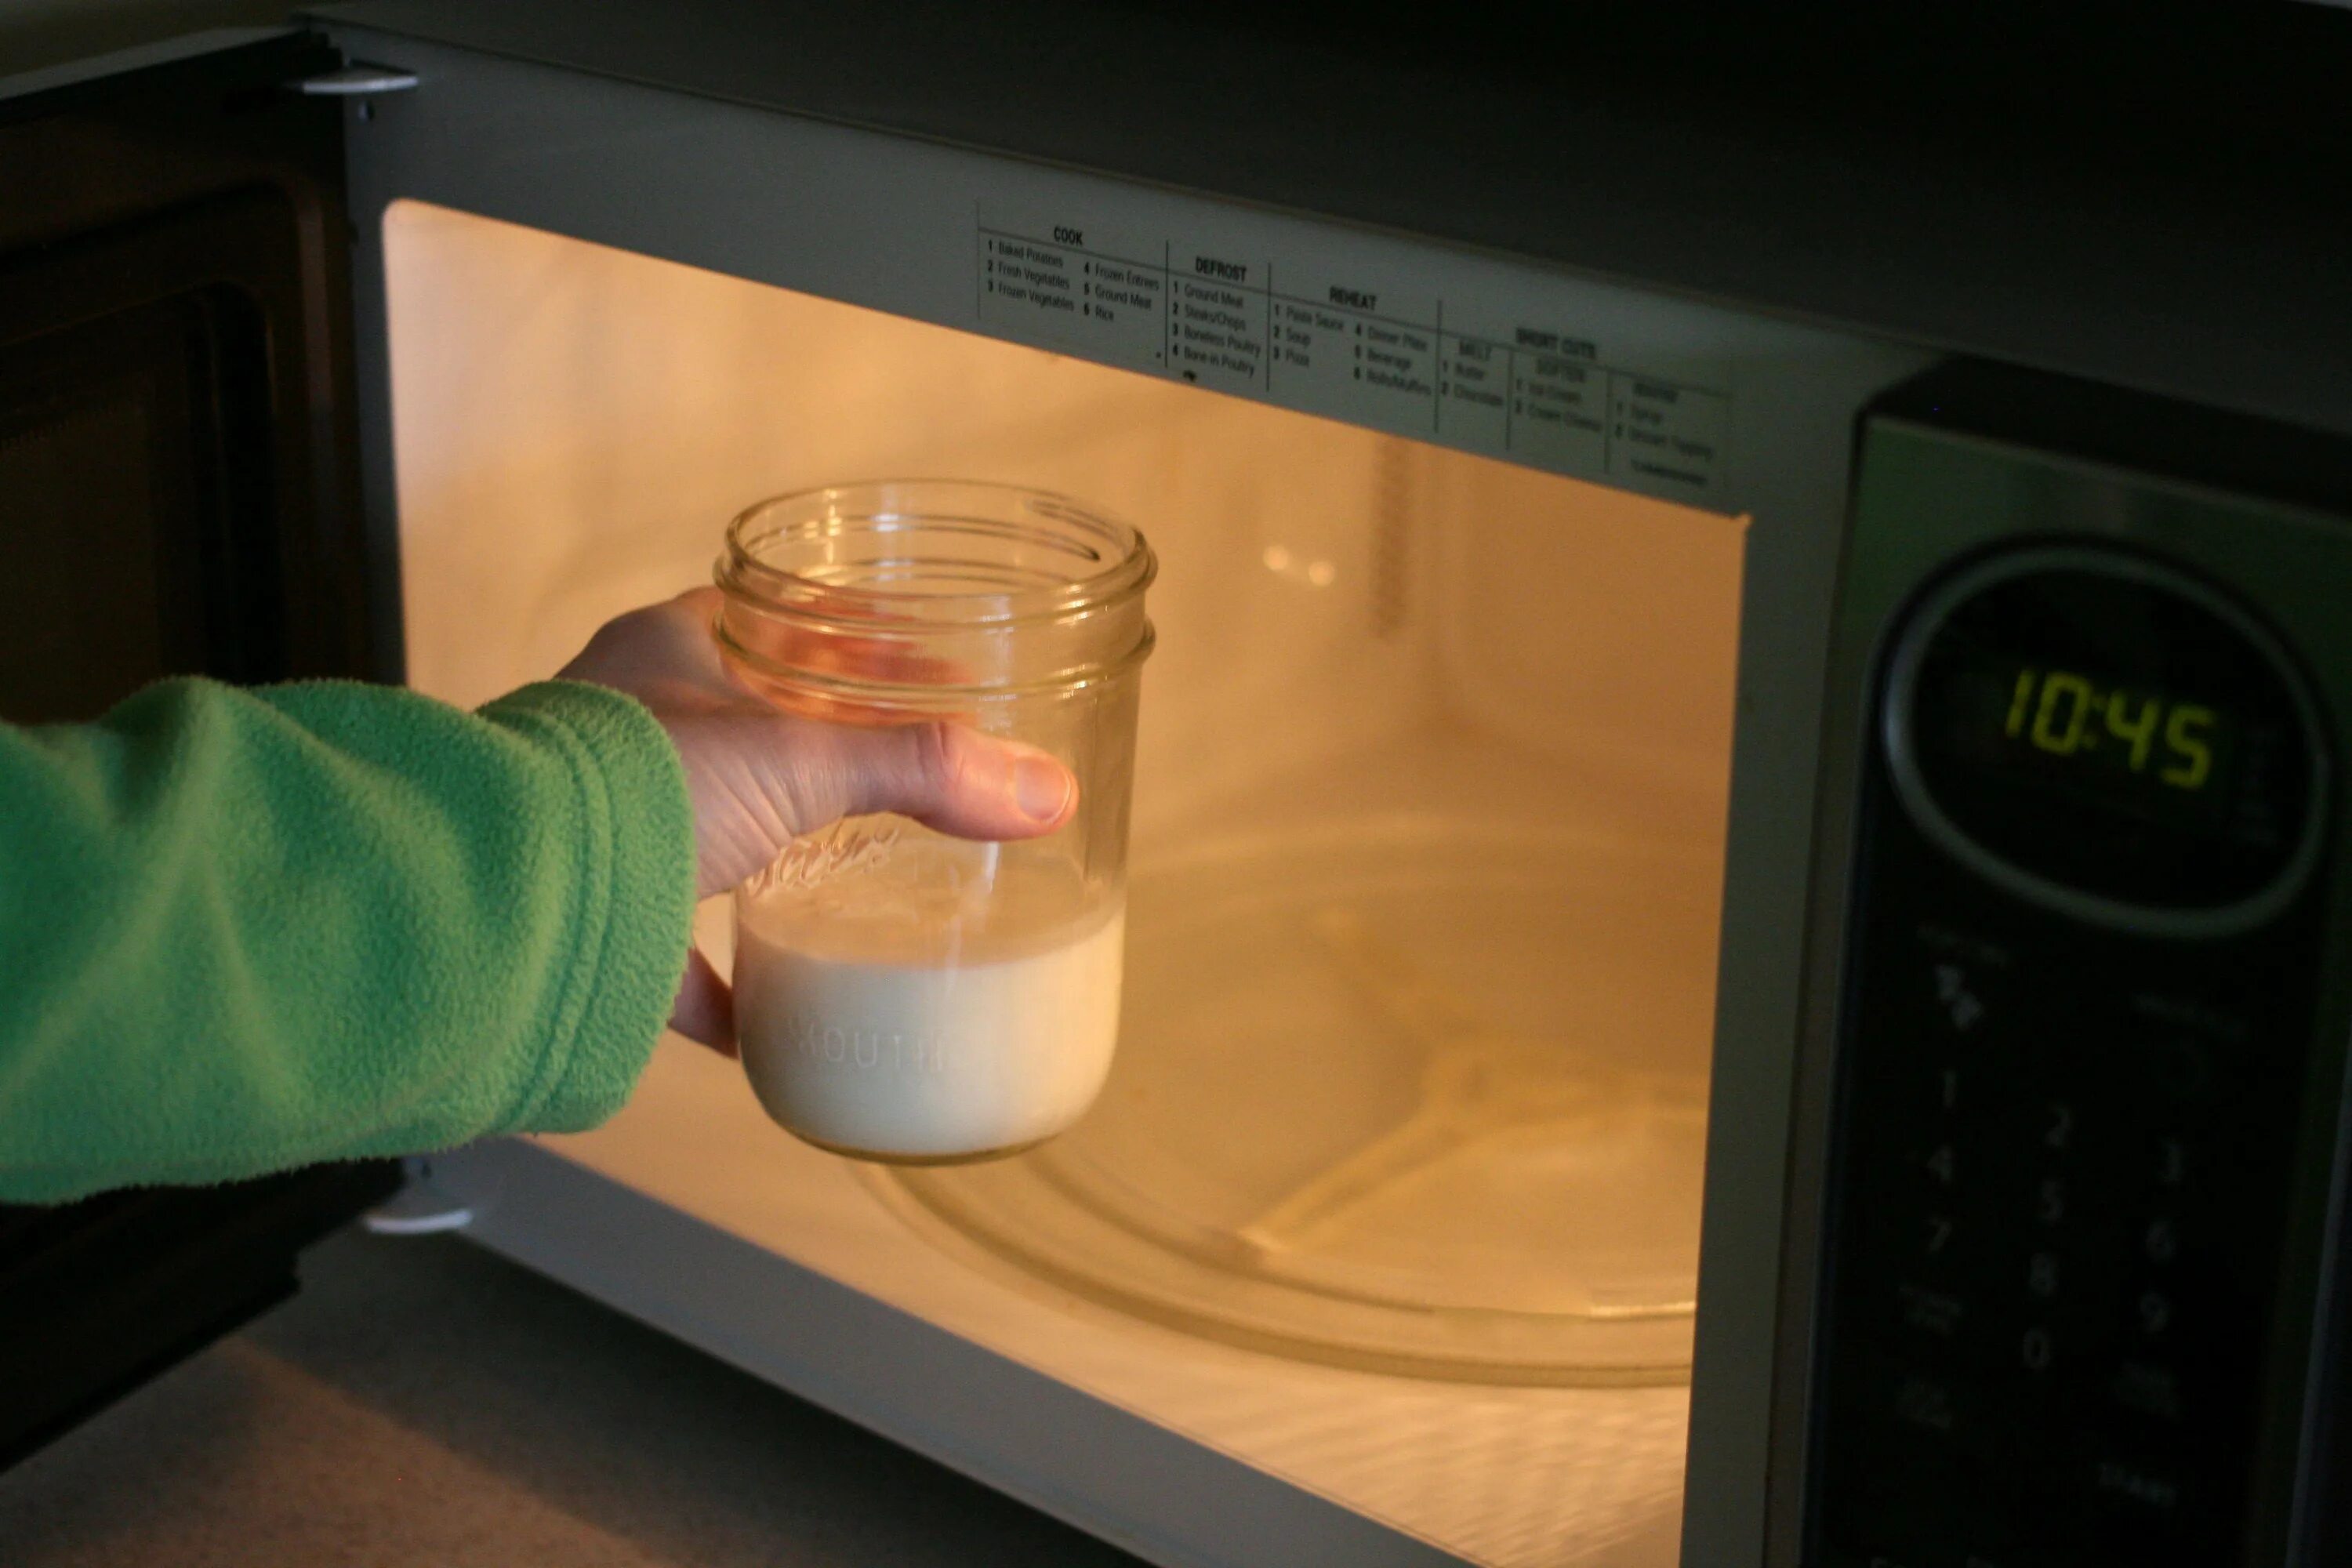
x=773, y=779
x=951, y=778
x=799, y=667
x=705, y=1009
x=757, y=783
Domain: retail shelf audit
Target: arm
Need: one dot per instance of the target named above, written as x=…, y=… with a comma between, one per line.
x=244, y=931
x=241, y=930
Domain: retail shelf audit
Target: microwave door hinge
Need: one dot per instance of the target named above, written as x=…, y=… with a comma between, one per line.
x=419, y=1207
x=357, y=81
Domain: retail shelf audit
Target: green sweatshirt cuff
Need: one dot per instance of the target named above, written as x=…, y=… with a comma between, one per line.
x=636, y=898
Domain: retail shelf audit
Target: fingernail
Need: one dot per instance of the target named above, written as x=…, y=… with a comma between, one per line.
x=1042, y=785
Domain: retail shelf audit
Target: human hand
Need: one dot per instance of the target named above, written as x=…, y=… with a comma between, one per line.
x=758, y=779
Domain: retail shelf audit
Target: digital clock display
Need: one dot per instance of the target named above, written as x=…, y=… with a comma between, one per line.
x=2147, y=752
x=2113, y=733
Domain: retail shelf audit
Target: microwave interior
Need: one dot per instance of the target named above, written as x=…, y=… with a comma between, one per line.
x=1428, y=829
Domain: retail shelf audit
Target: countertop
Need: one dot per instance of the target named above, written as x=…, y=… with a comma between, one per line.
x=421, y=1400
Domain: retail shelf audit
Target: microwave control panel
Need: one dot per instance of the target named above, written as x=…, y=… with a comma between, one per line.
x=2069, y=1158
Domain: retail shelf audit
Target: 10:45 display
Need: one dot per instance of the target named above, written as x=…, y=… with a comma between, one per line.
x=2065, y=713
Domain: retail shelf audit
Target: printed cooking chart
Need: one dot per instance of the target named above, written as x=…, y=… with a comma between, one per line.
x=1354, y=348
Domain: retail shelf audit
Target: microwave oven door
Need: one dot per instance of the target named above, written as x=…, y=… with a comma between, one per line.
x=176, y=496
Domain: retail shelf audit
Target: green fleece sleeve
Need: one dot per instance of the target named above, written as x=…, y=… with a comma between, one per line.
x=246, y=929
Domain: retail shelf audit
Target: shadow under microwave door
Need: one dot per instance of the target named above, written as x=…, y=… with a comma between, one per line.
x=177, y=496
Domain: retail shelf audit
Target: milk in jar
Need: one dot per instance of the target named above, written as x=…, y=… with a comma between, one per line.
x=910, y=1017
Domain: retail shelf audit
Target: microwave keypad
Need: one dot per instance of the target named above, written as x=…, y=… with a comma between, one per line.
x=2063, y=1145
x=2055, y=1236
x=2061, y=1164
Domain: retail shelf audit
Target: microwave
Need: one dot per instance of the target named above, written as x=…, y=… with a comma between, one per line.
x=1735, y=943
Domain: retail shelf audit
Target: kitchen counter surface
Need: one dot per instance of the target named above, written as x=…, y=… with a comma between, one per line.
x=421, y=1401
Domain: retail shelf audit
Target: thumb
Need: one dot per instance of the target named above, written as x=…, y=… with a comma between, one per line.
x=761, y=781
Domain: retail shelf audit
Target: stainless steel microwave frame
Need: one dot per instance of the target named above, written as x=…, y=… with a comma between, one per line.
x=1698, y=307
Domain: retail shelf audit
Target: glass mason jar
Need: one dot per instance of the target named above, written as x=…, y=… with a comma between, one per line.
x=900, y=994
